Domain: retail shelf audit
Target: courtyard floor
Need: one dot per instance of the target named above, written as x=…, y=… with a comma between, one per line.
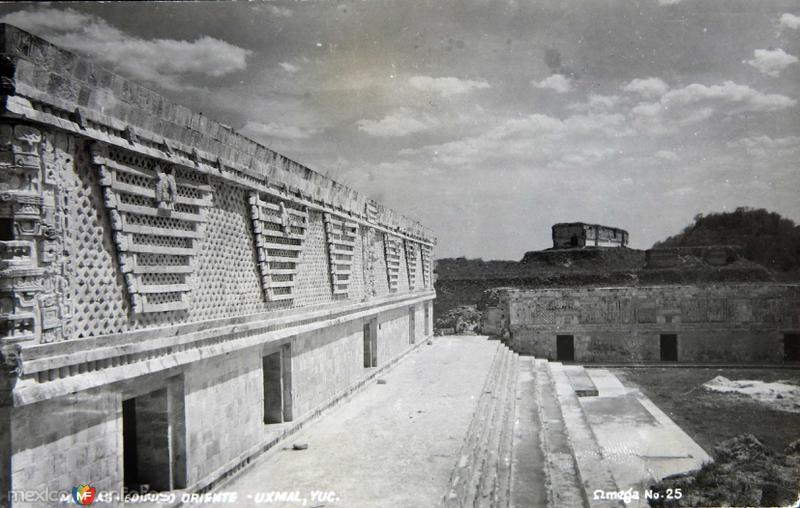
x=392, y=445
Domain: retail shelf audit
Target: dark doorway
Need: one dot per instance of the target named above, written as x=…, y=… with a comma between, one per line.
x=791, y=347
x=412, y=326
x=371, y=343
x=573, y=241
x=146, y=442
x=427, y=319
x=272, y=368
x=669, y=347
x=565, y=348
x=129, y=460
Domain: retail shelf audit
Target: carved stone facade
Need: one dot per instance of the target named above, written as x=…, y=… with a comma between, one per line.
x=280, y=229
x=151, y=258
x=157, y=213
x=35, y=274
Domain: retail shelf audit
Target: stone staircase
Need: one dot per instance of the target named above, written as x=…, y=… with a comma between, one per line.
x=529, y=443
x=482, y=476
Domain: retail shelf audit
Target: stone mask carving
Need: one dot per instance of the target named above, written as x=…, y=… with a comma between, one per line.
x=166, y=189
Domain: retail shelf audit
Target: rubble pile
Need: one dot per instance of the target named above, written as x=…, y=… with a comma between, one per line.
x=462, y=320
x=744, y=473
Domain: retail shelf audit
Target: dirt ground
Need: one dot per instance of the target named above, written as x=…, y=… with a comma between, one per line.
x=712, y=417
x=756, y=448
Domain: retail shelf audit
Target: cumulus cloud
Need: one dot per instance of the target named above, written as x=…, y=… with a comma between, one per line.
x=790, y=21
x=557, y=82
x=169, y=63
x=447, y=86
x=771, y=61
x=290, y=68
x=276, y=130
x=649, y=87
x=533, y=136
x=400, y=123
x=694, y=103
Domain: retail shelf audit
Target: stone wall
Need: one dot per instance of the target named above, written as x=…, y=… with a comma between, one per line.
x=147, y=249
x=713, y=323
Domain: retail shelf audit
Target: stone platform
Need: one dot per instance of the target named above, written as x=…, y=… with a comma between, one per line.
x=467, y=422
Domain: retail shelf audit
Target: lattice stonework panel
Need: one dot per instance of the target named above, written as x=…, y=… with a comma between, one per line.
x=411, y=263
x=392, y=250
x=341, y=238
x=426, y=265
x=157, y=214
x=280, y=229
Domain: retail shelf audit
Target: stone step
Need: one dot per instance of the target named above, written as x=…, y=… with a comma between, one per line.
x=501, y=496
x=492, y=458
x=593, y=471
x=486, y=456
x=461, y=477
x=580, y=381
x=561, y=469
x=528, y=478
x=482, y=476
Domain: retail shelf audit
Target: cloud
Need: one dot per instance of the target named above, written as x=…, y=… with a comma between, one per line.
x=771, y=61
x=533, y=137
x=290, y=68
x=666, y=155
x=276, y=130
x=668, y=2
x=762, y=146
x=597, y=103
x=169, y=63
x=400, y=123
x=694, y=103
x=280, y=12
x=447, y=86
x=556, y=82
x=790, y=21
x=582, y=158
x=649, y=88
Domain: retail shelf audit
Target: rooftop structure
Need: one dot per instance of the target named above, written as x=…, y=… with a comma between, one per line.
x=576, y=235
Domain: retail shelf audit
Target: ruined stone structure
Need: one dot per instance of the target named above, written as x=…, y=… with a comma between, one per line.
x=579, y=234
x=175, y=297
x=757, y=323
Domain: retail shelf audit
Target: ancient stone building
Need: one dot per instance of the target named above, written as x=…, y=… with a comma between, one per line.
x=175, y=297
x=703, y=323
x=579, y=234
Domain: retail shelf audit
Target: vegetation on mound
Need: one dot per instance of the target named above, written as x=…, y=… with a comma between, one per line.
x=744, y=473
x=765, y=237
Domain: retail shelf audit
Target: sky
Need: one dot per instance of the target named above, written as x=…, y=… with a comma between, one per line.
x=488, y=121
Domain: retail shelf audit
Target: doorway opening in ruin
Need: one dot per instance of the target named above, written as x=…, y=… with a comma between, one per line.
x=371, y=343
x=276, y=371
x=573, y=241
x=669, y=347
x=6, y=229
x=565, y=348
x=791, y=347
x=153, y=439
x=412, y=326
x=427, y=319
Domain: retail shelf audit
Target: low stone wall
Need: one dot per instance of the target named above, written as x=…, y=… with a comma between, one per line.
x=712, y=323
